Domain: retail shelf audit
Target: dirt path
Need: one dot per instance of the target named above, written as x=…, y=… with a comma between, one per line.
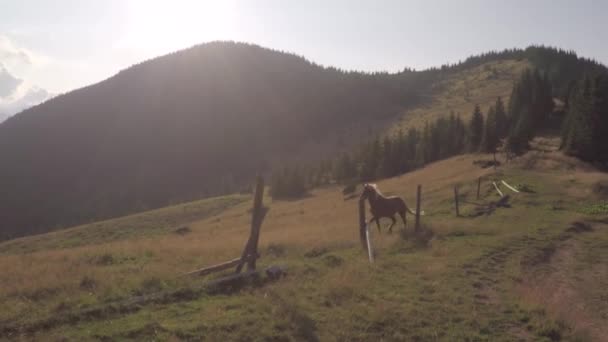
x=486, y=275
x=556, y=274
x=564, y=284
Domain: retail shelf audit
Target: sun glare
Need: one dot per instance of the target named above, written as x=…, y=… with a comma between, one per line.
x=161, y=27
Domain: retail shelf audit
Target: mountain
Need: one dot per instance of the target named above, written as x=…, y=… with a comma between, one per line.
x=187, y=125
x=201, y=122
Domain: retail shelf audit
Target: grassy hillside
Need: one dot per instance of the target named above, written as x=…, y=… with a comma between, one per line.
x=192, y=124
x=534, y=271
x=460, y=92
x=199, y=122
x=146, y=224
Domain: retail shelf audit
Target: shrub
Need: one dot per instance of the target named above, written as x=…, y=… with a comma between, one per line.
x=88, y=283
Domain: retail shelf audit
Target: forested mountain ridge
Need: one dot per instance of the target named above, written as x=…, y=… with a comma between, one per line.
x=188, y=125
x=200, y=122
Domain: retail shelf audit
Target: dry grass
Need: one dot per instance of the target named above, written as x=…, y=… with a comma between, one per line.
x=567, y=284
x=462, y=91
x=462, y=284
x=330, y=288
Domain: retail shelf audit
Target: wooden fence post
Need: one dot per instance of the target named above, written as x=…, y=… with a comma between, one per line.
x=456, y=200
x=362, y=224
x=370, y=249
x=478, y=186
x=418, y=207
x=364, y=233
x=257, y=216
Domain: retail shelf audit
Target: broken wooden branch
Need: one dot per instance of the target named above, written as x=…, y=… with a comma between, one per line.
x=508, y=186
x=219, y=267
x=250, y=252
x=497, y=189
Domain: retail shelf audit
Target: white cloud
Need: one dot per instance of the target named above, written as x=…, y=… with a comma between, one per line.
x=17, y=94
x=8, y=82
x=10, y=53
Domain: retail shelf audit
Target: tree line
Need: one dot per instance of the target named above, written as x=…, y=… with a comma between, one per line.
x=403, y=152
x=585, y=128
x=530, y=110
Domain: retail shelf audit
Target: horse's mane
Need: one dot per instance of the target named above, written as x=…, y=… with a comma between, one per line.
x=375, y=187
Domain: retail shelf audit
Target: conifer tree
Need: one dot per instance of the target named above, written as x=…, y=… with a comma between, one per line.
x=530, y=103
x=371, y=160
x=475, y=129
x=345, y=169
x=489, y=143
x=501, y=118
x=586, y=123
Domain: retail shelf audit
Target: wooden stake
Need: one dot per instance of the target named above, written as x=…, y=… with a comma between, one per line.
x=418, y=207
x=497, y=189
x=456, y=200
x=478, y=186
x=257, y=216
x=370, y=250
x=362, y=225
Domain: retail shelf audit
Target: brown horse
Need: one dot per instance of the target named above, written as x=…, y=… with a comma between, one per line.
x=381, y=206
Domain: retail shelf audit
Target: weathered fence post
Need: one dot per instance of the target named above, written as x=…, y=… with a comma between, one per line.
x=478, y=186
x=364, y=234
x=250, y=252
x=418, y=208
x=456, y=200
x=370, y=249
x=362, y=224
x=257, y=216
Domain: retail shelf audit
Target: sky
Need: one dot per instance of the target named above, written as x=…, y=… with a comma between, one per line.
x=52, y=47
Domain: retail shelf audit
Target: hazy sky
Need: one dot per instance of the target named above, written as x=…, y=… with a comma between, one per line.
x=65, y=44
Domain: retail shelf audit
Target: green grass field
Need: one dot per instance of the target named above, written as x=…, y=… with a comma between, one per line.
x=534, y=271
x=155, y=222
x=489, y=278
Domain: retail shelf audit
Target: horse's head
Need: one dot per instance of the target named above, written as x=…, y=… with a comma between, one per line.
x=369, y=191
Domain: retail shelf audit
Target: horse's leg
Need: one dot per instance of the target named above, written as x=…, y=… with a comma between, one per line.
x=403, y=215
x=378, y=224
x=372, y=220
x=390, y=228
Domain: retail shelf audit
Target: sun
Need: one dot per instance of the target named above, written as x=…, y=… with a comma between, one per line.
x=165, y=26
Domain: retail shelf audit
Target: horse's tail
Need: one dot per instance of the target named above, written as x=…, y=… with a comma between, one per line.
x=413, y=212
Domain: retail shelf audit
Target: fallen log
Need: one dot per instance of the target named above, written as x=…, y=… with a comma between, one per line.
x=220, y=267
x=510, y=187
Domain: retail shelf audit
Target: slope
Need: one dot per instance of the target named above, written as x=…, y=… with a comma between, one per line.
x=188, y=125
x=475, y=279
x=459, y=93
x=202, y=121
